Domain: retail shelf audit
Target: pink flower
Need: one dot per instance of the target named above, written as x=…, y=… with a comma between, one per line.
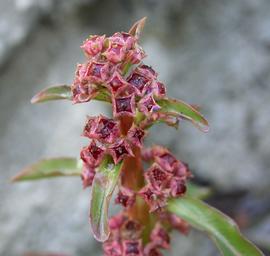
x=181, y=170
x=160, y=236
x=83, y=92
x=156, y=200
x=124, y=106
x=116, y=51
x=147, y=71
x=93, y=45
x=136, y=135
x=151, y=250
x=93, y=72
x=92, y=155
x=147, y=154
x=82, y=89
x=178, y=187
x=157, y=177
x=120, y=150
x=87, y=175
x=112, y=248
x=124, y=38
x=164, y=158
x=148, y=105
x=138, y=81
x=102, y=128
x=132, y=248
x=134, y=56
x=116, y=222
x=126, y=197
x=156, y=88
x=117, y=83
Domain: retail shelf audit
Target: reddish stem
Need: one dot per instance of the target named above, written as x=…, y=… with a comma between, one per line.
x=132, y=177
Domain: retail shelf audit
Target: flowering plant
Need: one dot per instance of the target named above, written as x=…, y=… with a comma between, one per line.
x=150, y=183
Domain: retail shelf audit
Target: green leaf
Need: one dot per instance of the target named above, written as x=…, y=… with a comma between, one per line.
x=196, y=191
x=49, y=168
x=220, y=228
x=137, y=28
x=61, y=92
x=184, y=110
x=103, y=186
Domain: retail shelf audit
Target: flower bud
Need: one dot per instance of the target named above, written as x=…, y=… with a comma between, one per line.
x=93, y=45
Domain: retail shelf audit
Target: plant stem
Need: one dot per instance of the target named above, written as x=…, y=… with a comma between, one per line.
x=133, y=178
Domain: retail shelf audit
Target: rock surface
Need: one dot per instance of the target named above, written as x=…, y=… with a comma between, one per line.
x=212, y=53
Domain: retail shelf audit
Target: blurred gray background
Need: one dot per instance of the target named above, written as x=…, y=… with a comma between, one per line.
x=213, y=53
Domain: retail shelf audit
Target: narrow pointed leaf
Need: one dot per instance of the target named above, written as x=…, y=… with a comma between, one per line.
x=49, y=168
x=137, y=28
x=184, y=110
x=220, y=228
x=199, y=192
x=61, y=92
x=102, y=189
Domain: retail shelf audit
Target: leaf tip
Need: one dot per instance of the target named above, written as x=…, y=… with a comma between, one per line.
x=15, y=178
x=100, y=237
x=137, y=27
x=205, y=128
x=35, y=99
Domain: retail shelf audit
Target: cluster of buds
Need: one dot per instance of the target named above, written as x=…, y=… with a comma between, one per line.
x=126, y=235
x=165, y=178
x=114, y=68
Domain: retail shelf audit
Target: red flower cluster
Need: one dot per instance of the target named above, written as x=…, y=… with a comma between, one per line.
x=165, y=178
x=114, y=68
x=126, y=235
